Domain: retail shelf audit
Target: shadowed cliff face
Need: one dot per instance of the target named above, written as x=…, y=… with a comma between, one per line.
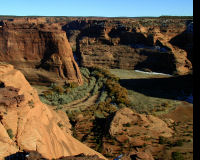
x=185, y=40
x=162, y=45
x=40, y=51
x=34, y=155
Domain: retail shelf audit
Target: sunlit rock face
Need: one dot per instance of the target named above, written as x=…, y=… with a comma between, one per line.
x=157, y=44
x=28, y=124
x=40, y=50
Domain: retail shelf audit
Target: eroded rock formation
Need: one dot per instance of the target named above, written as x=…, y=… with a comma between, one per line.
x=28, y=124
x=152, y=125
x=157, y=44
x=39, y=50
x=161, y=45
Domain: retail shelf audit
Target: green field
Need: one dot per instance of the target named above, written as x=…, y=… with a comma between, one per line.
x=148, y=93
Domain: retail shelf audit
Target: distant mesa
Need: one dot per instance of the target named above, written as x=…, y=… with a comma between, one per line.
x=43, y=47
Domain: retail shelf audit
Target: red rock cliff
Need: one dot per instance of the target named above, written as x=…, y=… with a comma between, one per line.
x=40, y=51
x=158, y=44
x=28, y=124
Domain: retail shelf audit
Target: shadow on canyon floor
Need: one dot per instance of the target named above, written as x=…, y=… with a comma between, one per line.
x=169, y=88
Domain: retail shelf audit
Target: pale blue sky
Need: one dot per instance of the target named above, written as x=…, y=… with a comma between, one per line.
x=106, y=8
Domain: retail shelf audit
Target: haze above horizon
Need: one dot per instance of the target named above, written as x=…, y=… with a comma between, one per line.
x=103, y=8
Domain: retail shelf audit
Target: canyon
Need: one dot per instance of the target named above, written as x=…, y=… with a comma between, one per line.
x=43, y=46
x=77, y=88
x=29, y=125
x=160, y=45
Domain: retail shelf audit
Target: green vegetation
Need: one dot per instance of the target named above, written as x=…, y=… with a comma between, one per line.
x=175, y=17
x=177, y=156
x=59, y=95
x=96, y=80
x=127, y=125
x=110, y=96
x=139, y=92
x=179, y=142
x=162, y=140
x=60, y=124
x=176, y=143
x=10, y=133
x=31, y=103
x=117, y=92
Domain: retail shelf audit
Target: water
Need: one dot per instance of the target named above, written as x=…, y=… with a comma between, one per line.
x=156, y=48
x=186, y=98
x=189, y=99
x=152, y=73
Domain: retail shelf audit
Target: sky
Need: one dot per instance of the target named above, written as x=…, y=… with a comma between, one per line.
x=104, y=8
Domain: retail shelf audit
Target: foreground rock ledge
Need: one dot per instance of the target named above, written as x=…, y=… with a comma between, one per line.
x=28, y=124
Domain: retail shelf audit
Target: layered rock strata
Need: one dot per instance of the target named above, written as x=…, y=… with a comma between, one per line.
x=157, y=44
x=39, y=50
x=161, y=45
x=28, y=124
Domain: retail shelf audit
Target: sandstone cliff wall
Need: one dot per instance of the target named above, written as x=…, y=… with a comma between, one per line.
x=162, y=45
x=40, y=51
x=28, y=124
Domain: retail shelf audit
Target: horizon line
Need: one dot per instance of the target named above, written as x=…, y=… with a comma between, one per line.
x=93, y=16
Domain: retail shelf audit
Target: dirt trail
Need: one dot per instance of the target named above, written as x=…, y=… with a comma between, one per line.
x=82, y=103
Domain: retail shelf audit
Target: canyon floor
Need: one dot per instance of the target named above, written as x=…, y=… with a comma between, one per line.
x=151, y=92
x=163, y=96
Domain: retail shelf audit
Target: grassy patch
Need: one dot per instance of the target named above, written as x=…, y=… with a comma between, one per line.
x=177, y=156
x=145, y=97
x=10, y=133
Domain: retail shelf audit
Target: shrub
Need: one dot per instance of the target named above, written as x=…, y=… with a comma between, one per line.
x=71, y=85
x=121, y=105
x=95, y=89
x=60, y=124
x=104, y=108
x=178, y=143
x=58, y=89
x=108, y=100
x=127, y=125
x=47, y=93
x=10, y=133
x=177, y=156
x=31, y=103
x=59, y=107
x=67, y=90
x=98, y=114
x=100, y=72
x=165, y=104
x=74, y=49
x=97, y=74
x=85, y=72
x=120, y=93
x=112, y=91
x=45, y=100
x=162, y=140
x=103, y=96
